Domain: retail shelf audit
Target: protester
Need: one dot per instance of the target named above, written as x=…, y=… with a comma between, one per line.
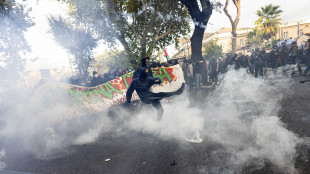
x=251, y=63
x=144, y=64
x=198, y=77
x=190, y=74
x=175, y=62
x=258, y=63
x=274, y=59
x=142, y=85
x=283, y=53
x=96, y=80
x=236, y=61
x=307, y=54
x=214, y=70
x=158, y=65
x=294, y=53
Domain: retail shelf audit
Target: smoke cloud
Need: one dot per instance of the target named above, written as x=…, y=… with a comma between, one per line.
x=239, y=116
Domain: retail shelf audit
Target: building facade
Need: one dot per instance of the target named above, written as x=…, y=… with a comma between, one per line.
x=298, y=30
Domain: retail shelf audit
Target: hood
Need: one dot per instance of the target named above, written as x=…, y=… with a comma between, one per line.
x=142, y=74
x=143, y=61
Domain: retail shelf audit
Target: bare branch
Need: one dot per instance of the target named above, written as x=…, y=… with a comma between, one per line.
x=163, y=35
x=135, y=33
x=226, y=12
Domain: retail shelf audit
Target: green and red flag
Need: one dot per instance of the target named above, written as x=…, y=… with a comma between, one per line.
x=166, y=55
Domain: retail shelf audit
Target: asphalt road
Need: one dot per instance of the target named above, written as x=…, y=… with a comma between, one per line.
x=144, y=153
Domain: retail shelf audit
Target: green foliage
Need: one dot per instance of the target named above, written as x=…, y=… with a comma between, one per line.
x=14, y=22
x=113, y=60
x=77, y=41
x=269, y=20
x=213, y=50
x=254, y=38
x=141, y=26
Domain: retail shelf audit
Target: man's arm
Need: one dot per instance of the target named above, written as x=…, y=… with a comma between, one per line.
x=154, y=80
x=130, y=91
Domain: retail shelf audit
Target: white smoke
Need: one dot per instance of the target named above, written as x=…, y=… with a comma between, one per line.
x=2, y=155
x=240, y=116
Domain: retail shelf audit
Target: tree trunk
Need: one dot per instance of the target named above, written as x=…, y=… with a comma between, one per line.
x=196, y=43
x=234, y=39
x=201, y=17
x=234, y=23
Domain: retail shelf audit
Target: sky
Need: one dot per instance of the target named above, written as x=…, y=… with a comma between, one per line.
x=52, y=55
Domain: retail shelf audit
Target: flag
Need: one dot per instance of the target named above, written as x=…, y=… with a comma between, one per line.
x=166, y=55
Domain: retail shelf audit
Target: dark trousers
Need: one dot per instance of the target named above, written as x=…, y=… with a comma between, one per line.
x=190, y=82
x=154, y=99
x=259, y=69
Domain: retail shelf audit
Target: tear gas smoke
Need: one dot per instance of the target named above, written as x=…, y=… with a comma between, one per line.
x=2, y=155
x=240, y=116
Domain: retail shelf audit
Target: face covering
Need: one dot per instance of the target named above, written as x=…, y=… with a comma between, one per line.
x=96, y=75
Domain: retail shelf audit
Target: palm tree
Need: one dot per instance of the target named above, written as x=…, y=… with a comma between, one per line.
x=269, y=20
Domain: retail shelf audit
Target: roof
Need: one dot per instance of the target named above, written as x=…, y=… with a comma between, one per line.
x=228, y=29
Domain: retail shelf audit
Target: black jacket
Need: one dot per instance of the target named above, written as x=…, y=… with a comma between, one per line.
x=96, y=81
x=142, y=85
x=274, y=58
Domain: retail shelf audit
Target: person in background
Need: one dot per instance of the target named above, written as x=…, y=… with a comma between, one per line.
x=283, y=53
x=175, y=62
x=96, y=80
x=294, y=54
x=198, y=77
x=153, y=65
x=214, y=70
x=251, y=63
x=307, y=55
x=105, y=77
x=274, y=59
x=158, y=65
x=163, y=65
x=236, y=61
x=170, y=63
x=264, y=58
x=258, y=63
x=190, y=74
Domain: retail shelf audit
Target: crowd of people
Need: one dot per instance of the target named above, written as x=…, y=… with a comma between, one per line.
x=97, y=79
x=205, y=72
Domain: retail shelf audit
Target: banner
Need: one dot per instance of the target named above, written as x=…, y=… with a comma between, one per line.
x=114, y=92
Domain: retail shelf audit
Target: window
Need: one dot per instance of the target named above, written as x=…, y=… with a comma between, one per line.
x=285, y=35
x=241, y=42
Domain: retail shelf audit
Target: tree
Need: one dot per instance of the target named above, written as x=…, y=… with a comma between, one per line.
x=77, y=41
x=254, y=38
x=141, y=26
x=234, y=23
x=269, y=20
x=114, y=60
x=213, y=50
x=14, y=22
x=200, y=19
